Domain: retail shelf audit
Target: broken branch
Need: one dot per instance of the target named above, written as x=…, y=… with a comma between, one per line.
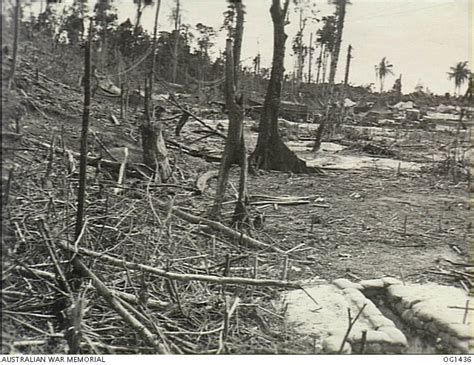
x=181, y=277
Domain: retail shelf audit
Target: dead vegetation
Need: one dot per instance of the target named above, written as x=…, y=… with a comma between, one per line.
x=158, y=276
x=154, y=282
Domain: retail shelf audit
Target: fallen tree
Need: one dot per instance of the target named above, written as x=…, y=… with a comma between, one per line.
x=228, y=280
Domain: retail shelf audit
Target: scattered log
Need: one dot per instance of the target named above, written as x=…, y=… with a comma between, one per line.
x=136, y=170
x=201, y=181
x=208, y=134
x=279, y=200
x=282, y=202
x=103, y=146
x=123, y=166
x=193, y=152
x=176, y=276
x=109, y=297
x=217, y=226
x=35, y=273
x=114, y=120
x=175, y=103
x=34, y=104
x=151, y=303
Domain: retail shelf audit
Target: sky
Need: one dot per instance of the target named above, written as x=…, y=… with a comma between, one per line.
x=421, y=38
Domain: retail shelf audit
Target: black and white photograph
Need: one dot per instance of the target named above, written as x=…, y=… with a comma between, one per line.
x=237, y=177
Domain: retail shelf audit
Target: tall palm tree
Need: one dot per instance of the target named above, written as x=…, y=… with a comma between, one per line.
x=460, y=73
x=382, y=70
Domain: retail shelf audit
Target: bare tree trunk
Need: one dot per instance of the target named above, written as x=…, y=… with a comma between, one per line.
x=234, y=150
x=324, y=123
x=239, y=34
x=319, y=62
x=175, y=58
x=81, y=195
x=341, y=14
x=325, y=64
x=310, y=59
x=177, y=24
x=271, y=153
x=155, y=154
x=153, y=53
x=237, y=135
x=300, y=58
x=348, y=64
x=139, y=16
x=319, y=133
x=234, y=136
x=240, y=215
x=148, y=133
x=16, y=36
x=72, y=275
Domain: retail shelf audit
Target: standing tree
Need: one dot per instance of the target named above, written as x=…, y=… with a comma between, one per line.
x=234, y=150
x=205, y=42
x=187, y=36
x=271, y=153
x=256, y=64
x=470, y=87
x=307, y=12
x=340, y=16
x=382, y=70
x=176, y=19
x=155, y=155
x=151, y=76
x=299, y=48
x=105, y=20
x=330, y=37
x=81, y=195
x=141, y=5
x=47, y=22
x=460, y=73
x=234, y=24
x=348, y=64
x=326, y=40
x=397, y=88
x=73, y=275
x=16, y=35
x=310, y=58
x=73, y=23
x=205, y=38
